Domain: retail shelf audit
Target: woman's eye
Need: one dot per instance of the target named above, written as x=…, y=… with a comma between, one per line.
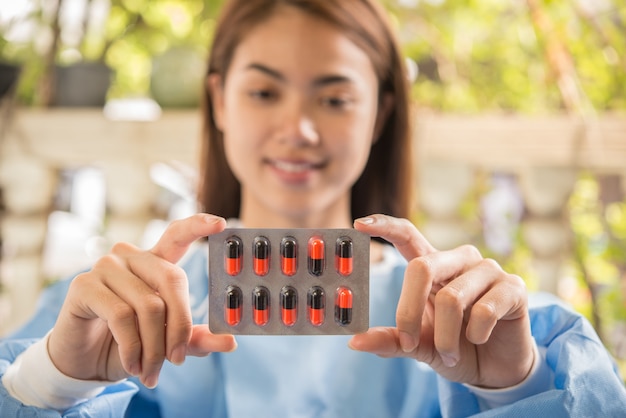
x=262, y=94
x=335, y=102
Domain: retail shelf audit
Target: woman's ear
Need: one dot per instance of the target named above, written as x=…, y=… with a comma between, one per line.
x=384, y=109
x=216, y=94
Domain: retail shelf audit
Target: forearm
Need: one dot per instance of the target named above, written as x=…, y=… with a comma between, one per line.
x=33, y=380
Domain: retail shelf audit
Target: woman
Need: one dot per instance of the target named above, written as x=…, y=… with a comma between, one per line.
x=307, y=126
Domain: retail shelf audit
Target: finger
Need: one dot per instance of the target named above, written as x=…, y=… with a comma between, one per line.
x=170, y=282
x=507, y=300
x=149, y=308
x=180, y=234
x=204, y=342
x=449, y=310
x=400, y=232
x=412, y=303
x=423, y=276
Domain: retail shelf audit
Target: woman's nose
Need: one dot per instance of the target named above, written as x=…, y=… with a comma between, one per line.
x=298, y=127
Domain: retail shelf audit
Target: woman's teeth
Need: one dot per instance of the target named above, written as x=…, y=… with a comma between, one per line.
x=291, y=167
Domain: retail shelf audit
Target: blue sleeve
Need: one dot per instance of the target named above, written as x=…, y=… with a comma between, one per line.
x=112, y=402
x=586, y=380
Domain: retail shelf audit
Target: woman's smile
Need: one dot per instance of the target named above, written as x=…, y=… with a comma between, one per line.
x=294, y=172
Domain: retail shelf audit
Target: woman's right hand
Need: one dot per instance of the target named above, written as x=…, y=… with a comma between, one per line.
x=131, y=311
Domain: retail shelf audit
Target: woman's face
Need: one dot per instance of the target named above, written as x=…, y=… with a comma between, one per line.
x=298, y=111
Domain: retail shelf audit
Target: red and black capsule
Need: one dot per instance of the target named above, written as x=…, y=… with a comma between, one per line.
x=316, y=256
x=288, y=256
x=261, y=256
x=316, y=303
x=289, y=305
x=233, y=306
x=343, y=306
x=260, y=305
x=343, y=256
x=233, y=255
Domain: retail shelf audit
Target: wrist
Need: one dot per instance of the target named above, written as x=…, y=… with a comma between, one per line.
x=540, y=378
x=34, y=380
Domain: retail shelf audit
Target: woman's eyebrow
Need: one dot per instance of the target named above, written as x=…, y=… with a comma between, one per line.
x=266, y=70
x=331, y=79
x=318, y=82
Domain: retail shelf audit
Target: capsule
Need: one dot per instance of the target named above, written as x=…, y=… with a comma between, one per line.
x=343, y=306
x=261, y=256
x=260, y=305
x=233, y=255
x=316, y=305
x=289, y=305
x=289, y=256
x=316, y=256
x=233, y=306
x=343, y=256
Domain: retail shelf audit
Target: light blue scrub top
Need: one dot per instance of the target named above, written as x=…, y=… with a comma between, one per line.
x=303, y=376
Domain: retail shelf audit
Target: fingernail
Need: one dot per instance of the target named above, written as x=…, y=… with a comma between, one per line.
x=407, y=342
x=448, y=360
x=234, y=345
x=351, y=345
x=366, y=221
x=178, y=354
x=151, y=381
x=134, y=369
x=211, y=219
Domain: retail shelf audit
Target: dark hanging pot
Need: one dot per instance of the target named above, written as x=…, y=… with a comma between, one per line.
x=9, y=75
x=84, y=84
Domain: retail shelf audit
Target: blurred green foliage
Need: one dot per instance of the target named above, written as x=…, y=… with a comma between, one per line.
x=472, y=55
x=489, y=55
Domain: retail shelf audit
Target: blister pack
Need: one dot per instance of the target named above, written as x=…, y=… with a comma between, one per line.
x=289, y=281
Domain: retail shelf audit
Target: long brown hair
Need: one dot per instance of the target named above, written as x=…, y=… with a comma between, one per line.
x=385, y=184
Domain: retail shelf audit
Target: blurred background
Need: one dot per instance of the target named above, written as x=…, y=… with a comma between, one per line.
x=520, y=133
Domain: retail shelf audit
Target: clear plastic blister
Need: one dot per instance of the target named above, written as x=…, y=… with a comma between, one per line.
x=289, y=281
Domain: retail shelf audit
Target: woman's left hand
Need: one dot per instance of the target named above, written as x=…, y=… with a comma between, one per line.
x=458, y=312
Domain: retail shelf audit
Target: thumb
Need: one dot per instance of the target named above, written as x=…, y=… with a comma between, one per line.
x=204, y=342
